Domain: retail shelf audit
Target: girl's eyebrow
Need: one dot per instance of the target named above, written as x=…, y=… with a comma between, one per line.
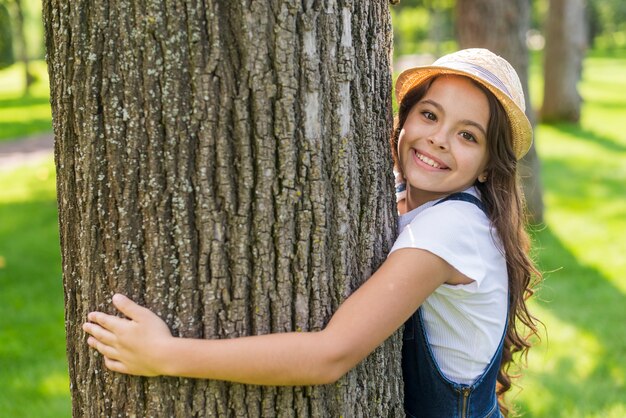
x=476, y=125
x=433, y=103
x=464, y=121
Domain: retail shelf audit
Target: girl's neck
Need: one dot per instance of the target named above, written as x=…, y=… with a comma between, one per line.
x=417, y=198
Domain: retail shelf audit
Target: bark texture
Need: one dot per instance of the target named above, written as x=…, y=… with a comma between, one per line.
x=225, y=164
x=501, y=27
x=566, y=43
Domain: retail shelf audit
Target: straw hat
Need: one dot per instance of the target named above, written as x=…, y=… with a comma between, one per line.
x=491, y=71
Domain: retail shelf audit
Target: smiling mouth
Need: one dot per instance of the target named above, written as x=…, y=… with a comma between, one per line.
x=429, y=161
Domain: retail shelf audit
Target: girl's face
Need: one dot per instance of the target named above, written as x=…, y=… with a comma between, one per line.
x=442, y=147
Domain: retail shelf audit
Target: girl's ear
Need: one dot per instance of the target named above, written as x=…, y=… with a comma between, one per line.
x=482, y=177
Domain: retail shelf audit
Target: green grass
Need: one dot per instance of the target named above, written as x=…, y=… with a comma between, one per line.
x=21, y=115
x=578, y=369
x=33, y=369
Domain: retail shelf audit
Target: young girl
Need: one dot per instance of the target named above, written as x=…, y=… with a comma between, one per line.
x=458, y=275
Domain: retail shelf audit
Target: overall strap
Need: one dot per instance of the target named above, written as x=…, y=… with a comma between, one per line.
x=465, y=197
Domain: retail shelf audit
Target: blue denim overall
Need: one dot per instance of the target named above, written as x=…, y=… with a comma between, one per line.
x=427, y=392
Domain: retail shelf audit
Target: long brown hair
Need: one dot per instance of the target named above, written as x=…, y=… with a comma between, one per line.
x=504, y=203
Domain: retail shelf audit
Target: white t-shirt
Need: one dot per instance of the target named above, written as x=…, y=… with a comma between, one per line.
x=464, y=323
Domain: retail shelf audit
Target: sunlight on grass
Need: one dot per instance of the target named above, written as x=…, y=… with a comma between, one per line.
x=24, y=115
x=589, y=198
x=586, y=165
x=28, y=183
x=558, y=381
x=12, y=84
x=554, y=348
x=54, y=385
x=33, y=368
x=579, y=369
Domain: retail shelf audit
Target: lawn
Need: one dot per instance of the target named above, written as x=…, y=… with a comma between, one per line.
x=20, y=115
x=33, y=370
x=577, y=370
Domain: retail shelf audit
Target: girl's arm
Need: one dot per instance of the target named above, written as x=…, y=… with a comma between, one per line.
x=143, y=344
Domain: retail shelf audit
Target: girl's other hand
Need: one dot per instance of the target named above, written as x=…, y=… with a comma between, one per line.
x=134, y=345
x=400, y=192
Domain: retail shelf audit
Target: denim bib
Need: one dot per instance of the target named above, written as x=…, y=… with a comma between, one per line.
x=427, y=392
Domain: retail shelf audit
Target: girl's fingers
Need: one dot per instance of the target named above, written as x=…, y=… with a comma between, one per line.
x=102, y=348
x=127, y=306
x=109, y=322
x=115, y=366
x=101, y=334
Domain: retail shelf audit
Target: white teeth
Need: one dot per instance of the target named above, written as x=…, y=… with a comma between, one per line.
x=428, y=161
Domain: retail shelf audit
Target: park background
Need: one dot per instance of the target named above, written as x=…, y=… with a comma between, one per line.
x=577, y=369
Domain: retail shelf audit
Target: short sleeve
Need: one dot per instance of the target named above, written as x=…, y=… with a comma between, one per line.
x=458, y=232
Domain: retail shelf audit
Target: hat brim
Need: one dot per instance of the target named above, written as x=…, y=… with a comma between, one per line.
x=521, y=128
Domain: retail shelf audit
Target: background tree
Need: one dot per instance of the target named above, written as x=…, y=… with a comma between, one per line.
x=607, y=24
x=23, y=45
x=566, y=43
x=501, y=26
x=13, y=39
x=7, y=57
x=225, y=164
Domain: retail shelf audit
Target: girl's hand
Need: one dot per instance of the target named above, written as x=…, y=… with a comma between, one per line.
x=137, y=345
x=400, y=192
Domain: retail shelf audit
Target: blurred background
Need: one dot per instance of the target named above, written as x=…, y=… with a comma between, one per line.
x=571, y=55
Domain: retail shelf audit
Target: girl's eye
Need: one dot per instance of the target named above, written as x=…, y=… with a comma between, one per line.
x=429, y=115
x=468, y=136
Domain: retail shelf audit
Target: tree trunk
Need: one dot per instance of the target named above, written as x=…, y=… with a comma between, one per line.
x=501, y=27
x=566, y=43
x=225, y=164
x=7, y=57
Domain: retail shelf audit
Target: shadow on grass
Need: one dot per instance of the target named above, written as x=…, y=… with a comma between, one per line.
x=33, y=366
x=583, y=298
x=580, y=182
x=590, y=136
x=24, y=101
x=580, y=372
x=13, y=130
x=39, y=120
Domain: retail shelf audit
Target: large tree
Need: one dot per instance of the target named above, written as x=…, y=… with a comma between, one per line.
x=501, y=26
x=566, y=44
x=225, y=164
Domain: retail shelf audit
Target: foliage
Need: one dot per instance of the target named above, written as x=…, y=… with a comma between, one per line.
x=410, y=30
x=608, y=23
x=423, y=27
x=6, y=38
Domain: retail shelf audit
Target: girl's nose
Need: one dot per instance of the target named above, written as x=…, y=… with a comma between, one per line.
x=438, y=139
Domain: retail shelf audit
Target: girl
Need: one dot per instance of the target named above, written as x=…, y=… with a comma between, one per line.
x=458, y=275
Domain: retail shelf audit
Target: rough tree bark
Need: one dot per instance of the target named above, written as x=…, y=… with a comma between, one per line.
x=566, y=43
x=501, y=26
x=225, y=164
